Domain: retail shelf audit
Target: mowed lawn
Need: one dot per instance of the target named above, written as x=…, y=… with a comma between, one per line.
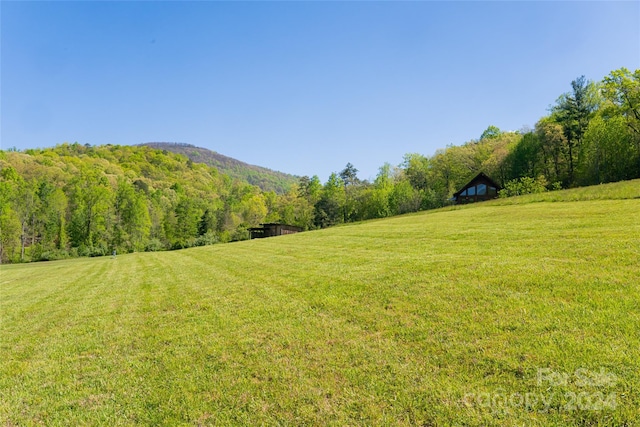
x=486, y=315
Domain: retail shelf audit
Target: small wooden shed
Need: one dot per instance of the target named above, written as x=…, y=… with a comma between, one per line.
x=272, y=229
x=478, y=189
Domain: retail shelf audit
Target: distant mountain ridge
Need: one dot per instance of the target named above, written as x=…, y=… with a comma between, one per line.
x=266, y=179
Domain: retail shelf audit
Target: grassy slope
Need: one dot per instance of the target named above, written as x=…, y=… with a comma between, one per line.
x=414, y=320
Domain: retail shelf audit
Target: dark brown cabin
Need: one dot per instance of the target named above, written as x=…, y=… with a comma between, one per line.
x=272, y=229
x=478, y=189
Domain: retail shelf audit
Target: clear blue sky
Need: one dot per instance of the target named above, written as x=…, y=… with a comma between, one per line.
x=301, y=87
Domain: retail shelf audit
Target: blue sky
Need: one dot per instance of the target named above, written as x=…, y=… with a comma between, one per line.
x=301, y=87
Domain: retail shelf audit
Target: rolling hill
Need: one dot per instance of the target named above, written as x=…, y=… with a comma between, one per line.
x=266, y=179
x=521, y=311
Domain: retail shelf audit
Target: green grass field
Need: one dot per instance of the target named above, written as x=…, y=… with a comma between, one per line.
x=514, y=312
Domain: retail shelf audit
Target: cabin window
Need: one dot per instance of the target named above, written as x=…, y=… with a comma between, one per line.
x=482, y=189
x=471, y=191
x=464, y=193
x=492, y=191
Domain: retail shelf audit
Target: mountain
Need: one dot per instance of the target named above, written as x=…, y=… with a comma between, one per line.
x=266, y=179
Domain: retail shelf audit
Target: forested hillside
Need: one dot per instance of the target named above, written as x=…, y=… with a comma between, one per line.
x=266, y=179
x=81, y=200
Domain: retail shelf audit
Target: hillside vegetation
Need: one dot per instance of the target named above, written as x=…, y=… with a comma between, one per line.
x=75, y=200
x=487, y=315
x=80, y=200
x=266, y=179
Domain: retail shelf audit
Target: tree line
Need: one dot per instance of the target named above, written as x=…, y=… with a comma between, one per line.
x=590, y=136
x=79, y=200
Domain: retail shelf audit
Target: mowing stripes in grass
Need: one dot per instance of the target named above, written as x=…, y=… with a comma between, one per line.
x=440, y=318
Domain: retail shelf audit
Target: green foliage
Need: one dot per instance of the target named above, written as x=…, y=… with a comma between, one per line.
x=524, y=185
x=10, y=232
x=525, y=159
x=208, y=222
x=90, y=201
x=310, y=188
x=553, y=144
x=328, y=212
x=404, y=198
x=10, y=227
x=132, y=222
x=416, y=169
x=490, y=133
x=608, y=153
x=265, y=179
x=349, y=175
x=329, y=209
x=621, y=89
x=573, y=111
x=87, y=201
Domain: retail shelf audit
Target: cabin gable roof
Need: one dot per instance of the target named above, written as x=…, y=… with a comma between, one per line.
x=489, y=187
